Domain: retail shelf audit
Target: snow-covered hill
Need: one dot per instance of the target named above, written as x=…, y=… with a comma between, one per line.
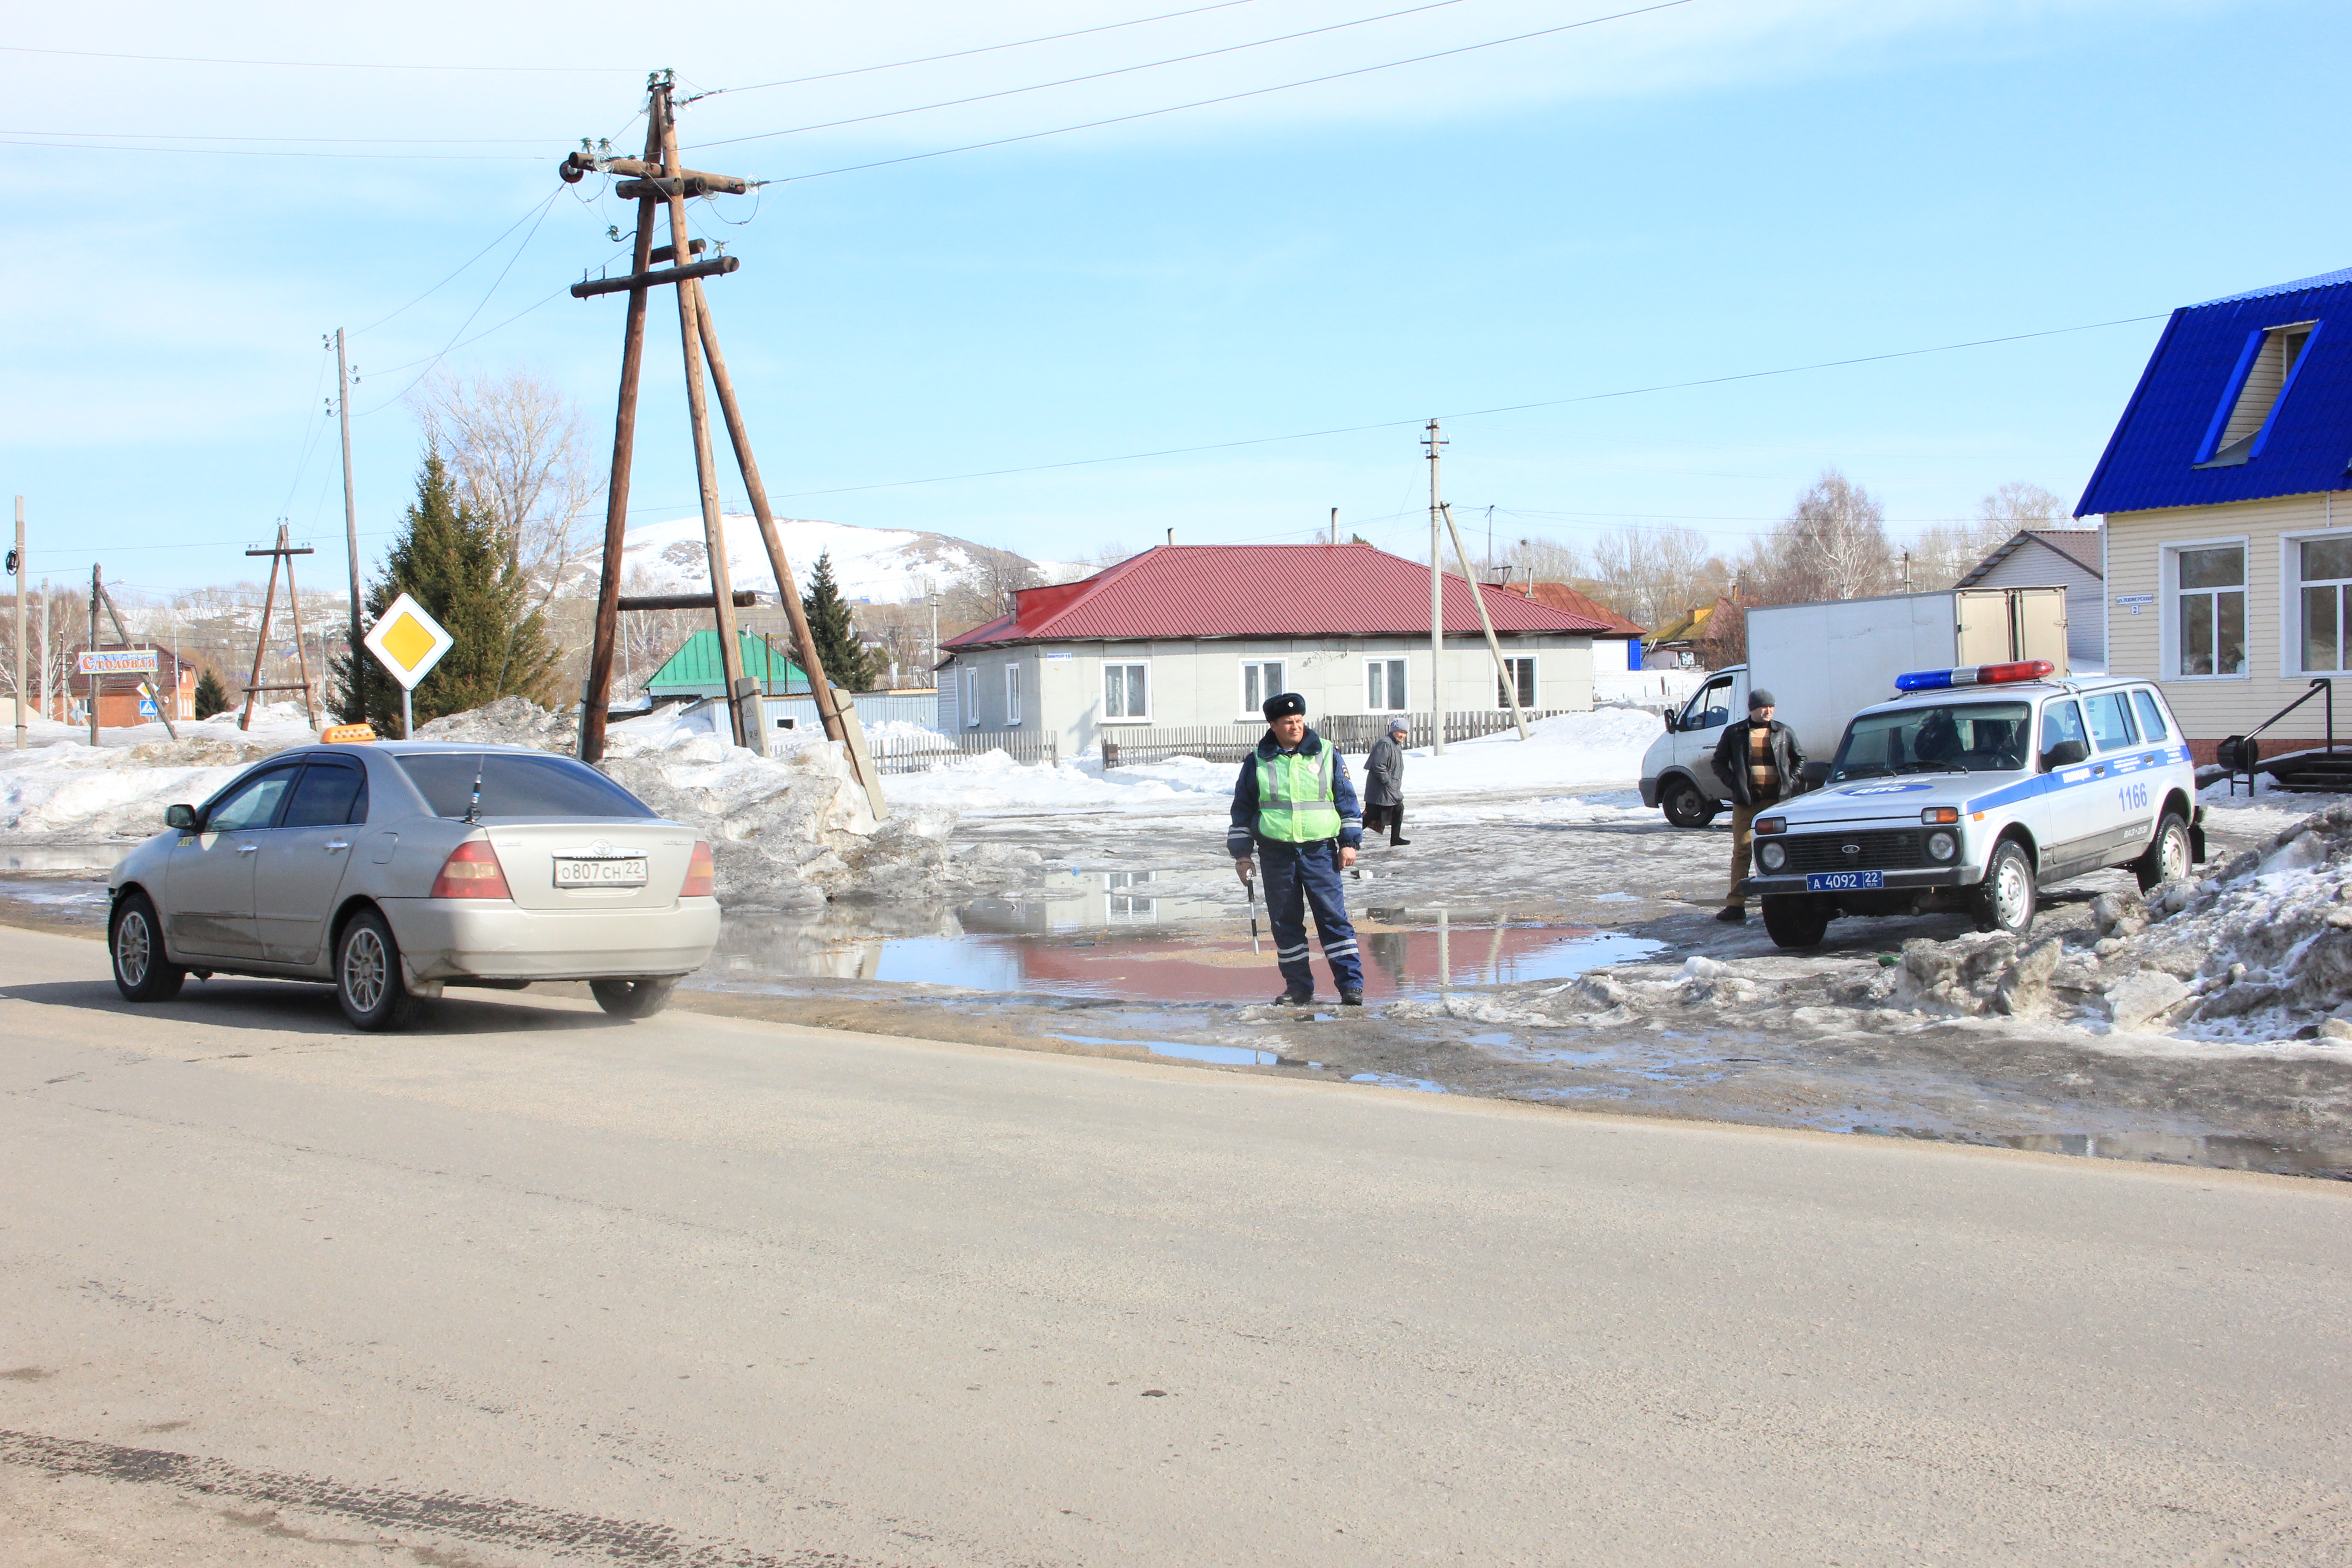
x=888, y=565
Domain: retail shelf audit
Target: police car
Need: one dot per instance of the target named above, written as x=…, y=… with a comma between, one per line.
x=1972, y=790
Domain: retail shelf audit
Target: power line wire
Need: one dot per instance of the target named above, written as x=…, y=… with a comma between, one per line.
x=269, y=152
x=478, y=310
x=1227, y=98
x=535, y=207
x=1090, y=76
x=965, y=54
x=316, y=65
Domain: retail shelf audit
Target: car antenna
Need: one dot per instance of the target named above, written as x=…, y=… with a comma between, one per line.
x=473, y=812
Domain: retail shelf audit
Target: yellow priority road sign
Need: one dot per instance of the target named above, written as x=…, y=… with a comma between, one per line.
x=407, y=642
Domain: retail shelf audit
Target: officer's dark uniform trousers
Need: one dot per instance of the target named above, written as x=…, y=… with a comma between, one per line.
x=1297, y=876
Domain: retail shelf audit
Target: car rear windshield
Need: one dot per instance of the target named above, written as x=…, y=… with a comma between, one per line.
x=515, y=785
x=1959, y=737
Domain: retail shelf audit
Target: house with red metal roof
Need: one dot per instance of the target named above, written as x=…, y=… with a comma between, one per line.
x=1614, y=651
x=1186, y=636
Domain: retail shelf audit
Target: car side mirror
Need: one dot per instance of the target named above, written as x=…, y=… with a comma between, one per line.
x=2065, y=754
x=1669, y=717
x=182, y=816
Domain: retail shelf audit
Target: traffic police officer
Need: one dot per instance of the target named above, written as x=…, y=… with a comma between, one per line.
x=1294, y=806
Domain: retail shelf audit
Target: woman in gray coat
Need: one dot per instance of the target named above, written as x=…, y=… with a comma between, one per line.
x=1384, y=783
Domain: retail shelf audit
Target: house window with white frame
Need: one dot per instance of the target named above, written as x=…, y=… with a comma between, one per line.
x=1261, y=679
x=1521, y=673
x=2323, y=577
x=1012, y=696
x=1127, y=693
x=1384, y=685
x=2210, y=610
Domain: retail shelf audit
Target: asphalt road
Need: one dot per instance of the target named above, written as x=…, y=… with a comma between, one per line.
x=535, y=1288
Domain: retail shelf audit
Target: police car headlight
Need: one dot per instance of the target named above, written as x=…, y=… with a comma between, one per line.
x=1773, y=856
x=1942, y=846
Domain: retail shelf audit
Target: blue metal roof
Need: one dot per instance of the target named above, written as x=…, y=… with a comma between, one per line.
x=2196, y=371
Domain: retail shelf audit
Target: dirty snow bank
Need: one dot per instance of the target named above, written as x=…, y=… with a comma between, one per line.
x=62, y=791
x=786, y=832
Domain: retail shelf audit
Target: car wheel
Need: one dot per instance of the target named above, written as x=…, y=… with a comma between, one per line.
x=1797, y=919
x=639, y=998
x=2008, y=900
x=2167, y=855
x=135, y=938
x=367, y=975
x=1684, y=806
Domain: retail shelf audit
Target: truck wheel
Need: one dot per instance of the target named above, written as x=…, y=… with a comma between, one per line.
x=1795, y=920
x=2008, y=900
x=639, y=998
x=141, y=972
x=2167, y=854
x=367, y=976
x=1684, y=806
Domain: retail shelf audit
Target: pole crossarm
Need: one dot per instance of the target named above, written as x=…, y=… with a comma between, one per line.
x=716, y=265
x=579, y=165
x=744, y=599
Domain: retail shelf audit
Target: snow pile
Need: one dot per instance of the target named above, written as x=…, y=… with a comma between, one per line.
x=65, y=792
x=786, y=831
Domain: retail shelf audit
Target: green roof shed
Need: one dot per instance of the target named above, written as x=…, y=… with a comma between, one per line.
x=693, y=670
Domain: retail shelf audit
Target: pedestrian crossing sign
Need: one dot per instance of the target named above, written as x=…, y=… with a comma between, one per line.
x=407, y=641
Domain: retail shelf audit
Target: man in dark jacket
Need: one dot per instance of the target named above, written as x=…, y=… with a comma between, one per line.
x=1294, y=806
x=1759, y=761
x=1384, y=783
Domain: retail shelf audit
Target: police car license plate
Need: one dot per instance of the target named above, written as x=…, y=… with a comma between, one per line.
x=1842, y=882
x=602, y=873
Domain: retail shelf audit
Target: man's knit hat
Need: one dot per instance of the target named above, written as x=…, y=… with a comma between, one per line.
x=1759, y=697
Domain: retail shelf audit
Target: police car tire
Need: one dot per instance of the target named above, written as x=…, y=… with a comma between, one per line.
x=2008, y=853
x=1795, y=920
x=2151, y=868
x=1684, y=806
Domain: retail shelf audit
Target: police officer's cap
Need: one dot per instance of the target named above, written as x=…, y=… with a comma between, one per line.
x=1283, y=703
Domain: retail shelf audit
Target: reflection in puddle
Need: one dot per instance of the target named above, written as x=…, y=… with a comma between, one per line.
x=1126, y=935
x=2220, y=1150
x=62, y=857
x=88, y=893
x=1228, y=1056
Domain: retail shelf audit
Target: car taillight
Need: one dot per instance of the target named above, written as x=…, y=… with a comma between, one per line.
x=472, y=871
x=700, y=873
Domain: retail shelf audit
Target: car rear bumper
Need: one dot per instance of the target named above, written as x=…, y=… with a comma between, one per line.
x=452, y=938
x=1942, y=877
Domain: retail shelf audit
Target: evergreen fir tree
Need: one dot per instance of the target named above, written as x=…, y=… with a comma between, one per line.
x=450, y=559
x=846, y=663
x=211, y=695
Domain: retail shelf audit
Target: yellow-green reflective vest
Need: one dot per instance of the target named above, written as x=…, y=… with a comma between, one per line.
x=1295, y=803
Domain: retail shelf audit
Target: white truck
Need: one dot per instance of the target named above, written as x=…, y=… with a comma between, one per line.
x=1825, y=662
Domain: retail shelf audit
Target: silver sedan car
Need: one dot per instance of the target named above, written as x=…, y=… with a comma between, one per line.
x=395, y=869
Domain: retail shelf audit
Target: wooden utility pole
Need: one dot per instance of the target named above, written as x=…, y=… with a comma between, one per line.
x=119, y=631
x=92, y=645
x=1436, y=602
x=351, y=525
x=658, y=178
x=261, y=642
x=16, y=563
x=1486, y=622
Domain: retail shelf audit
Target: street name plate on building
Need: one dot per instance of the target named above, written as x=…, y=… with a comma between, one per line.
x=118, y=661
x=2132, y=601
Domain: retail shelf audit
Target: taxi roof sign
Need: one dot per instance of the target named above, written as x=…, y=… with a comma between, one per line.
x=407, y=641
x=347, y=734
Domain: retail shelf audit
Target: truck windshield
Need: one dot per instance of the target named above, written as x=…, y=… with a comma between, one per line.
x=1960, y=737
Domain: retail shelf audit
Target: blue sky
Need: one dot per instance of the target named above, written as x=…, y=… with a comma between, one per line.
x=1706, y=190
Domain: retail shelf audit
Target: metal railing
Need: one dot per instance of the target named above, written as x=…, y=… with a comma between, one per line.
x=1356, y=733
x=2240, y=754
x=919, y=754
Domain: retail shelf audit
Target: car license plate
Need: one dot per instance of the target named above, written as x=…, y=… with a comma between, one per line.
x=1842, y=882
x=601, y=873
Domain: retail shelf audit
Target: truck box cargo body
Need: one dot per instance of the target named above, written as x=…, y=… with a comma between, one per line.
x=1825, y=662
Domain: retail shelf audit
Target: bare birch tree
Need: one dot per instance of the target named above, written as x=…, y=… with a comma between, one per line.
x=1943, y=554
x=1831, y=545
x=515, y=447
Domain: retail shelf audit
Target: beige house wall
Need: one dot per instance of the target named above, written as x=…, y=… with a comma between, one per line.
x=2142, y=638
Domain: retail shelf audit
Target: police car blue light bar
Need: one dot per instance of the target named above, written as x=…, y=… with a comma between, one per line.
x=1974, y=675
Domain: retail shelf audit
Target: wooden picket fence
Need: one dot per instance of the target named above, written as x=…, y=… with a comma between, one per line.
x=920, y=754
x=1351, y=733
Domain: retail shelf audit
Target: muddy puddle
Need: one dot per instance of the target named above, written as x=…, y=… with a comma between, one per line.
x=1128, y=936
x=61, y=857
